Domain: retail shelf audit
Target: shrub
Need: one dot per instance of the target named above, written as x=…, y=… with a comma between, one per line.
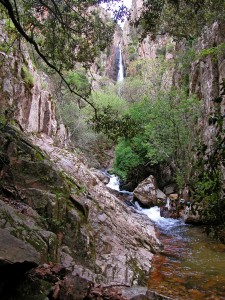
x=27, y=76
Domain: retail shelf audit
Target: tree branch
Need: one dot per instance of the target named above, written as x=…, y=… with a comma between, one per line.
x=30, y=40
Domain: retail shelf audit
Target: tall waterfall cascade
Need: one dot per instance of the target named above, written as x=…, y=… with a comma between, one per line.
x=120, y=76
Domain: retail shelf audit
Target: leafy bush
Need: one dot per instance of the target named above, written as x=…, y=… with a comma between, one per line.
x=167, y=133
x=126, y=159
x=78, y=81
x=27, y=76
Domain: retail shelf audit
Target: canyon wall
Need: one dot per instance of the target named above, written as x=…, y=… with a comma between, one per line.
x=207, y=80
x=25, y=97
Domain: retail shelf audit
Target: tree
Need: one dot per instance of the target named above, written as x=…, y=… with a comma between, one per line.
x=63, y=33
x=167, y=133
x=179, y=18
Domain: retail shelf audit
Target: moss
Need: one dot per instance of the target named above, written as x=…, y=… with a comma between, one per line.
x=27, y=76
x=31, y=289
x=73, y=186
x=38, y=156
x=139, y=275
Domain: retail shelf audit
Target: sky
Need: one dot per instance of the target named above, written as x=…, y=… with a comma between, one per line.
x=127, y=3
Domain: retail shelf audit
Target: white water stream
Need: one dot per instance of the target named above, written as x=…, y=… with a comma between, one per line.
x=120, y=76
x=153, y=213
x=114, y=183
x=192, y=266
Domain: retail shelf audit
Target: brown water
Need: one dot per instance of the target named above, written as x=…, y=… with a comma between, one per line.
x=192, y=265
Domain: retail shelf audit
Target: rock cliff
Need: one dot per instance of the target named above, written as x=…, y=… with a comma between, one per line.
x=106, y=67
x=24, y=94
x=207, y=81
x=207, y=77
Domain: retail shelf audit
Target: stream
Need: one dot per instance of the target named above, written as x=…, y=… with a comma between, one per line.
x=191, y=266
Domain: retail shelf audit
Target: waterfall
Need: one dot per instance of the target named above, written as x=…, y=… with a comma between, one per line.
x=114, y=183
x=120, y=75
x=168, y=202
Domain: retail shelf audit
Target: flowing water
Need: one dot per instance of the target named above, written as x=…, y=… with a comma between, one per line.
x=191, y=266
x=114, y=182
x=120, y=75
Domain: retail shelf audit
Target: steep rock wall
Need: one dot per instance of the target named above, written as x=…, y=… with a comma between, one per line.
x=25, y=96
x=107, y=64
x=207, y=81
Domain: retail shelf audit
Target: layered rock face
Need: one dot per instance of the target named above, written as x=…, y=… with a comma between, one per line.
x=25, y=97
x=207, y=81
x=207, y=78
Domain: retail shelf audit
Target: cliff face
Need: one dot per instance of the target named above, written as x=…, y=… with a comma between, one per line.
x=147, y=48
x=207, y=79
x=25, y=96
x=107, y=64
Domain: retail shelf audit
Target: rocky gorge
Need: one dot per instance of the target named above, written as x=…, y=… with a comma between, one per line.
x=64, y=234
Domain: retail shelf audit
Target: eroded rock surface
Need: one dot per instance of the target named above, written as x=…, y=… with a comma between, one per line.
x=52, y=204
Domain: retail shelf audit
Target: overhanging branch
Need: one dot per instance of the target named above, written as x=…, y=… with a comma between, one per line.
x=30, y=40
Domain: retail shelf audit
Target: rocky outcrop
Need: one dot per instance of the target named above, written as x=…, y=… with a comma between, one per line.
x=25, y=97
x=192, y=214
x=147, y=48
x=101, y=175
x=148, y=194
x=53, y=207
x=207, y=80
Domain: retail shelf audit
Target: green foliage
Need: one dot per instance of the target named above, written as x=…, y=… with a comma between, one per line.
x=112, y=118
x=79, y=82
x=126, y=159
x=213, y=51
x=166, y=133
x=27, y=76
x=110, y=122
x=109, y=97
x=179, y=18
x=170, y=133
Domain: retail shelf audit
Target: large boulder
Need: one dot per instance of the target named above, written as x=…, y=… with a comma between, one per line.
x=101, y=175
x=13, y=250
x=147, y=192
x=192, y=215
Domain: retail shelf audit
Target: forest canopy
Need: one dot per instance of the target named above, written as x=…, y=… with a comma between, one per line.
x=179, y=18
